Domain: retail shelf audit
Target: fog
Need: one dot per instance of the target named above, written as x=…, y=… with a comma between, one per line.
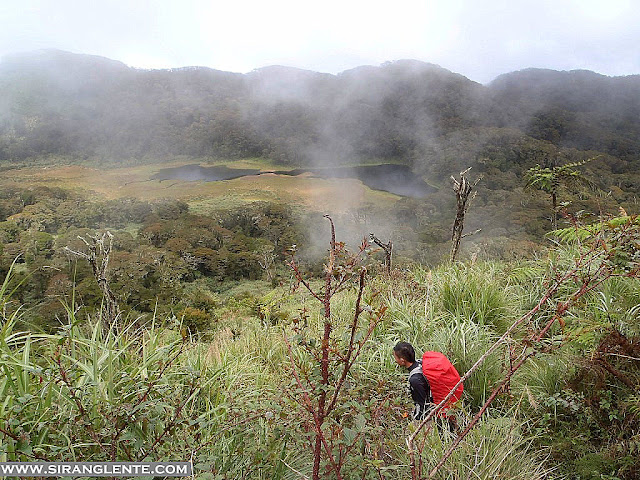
x=83, y=108
x=481, y=40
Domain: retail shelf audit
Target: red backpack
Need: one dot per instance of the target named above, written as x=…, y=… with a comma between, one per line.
x=442, y=378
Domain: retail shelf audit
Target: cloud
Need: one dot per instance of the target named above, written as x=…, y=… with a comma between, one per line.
x=478, y=39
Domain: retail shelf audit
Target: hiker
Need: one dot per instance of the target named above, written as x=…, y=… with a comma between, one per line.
x=431, y=381
x=405, y=356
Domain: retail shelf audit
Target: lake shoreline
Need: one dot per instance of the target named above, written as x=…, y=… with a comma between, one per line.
x=393, y=178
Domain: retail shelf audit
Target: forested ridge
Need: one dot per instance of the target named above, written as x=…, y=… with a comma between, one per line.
x=86, y=107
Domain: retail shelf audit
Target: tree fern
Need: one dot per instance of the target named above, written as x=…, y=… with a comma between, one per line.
x=585, y=232
x=549, y=180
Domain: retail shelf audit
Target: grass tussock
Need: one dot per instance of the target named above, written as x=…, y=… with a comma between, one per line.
x=224, y=398
x=498, y=448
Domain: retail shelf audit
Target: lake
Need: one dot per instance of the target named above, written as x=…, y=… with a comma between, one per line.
x=396, y=179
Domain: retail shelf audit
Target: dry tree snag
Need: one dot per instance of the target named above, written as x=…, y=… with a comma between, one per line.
x=99, y=247
x=599, y=260
x=267, y=262
x=318, y=398
x=463, y=189
x=388, y=251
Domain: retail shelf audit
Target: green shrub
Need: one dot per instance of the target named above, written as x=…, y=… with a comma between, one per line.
x=195, y=319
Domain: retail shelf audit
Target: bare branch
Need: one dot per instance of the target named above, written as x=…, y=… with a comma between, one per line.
x=463, y=190
x=98, y=257
x=471, y=233
x=388, y=251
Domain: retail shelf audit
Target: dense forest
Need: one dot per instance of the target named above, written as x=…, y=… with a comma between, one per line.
x=161, y=252
x=254, y=337
x=85, y=107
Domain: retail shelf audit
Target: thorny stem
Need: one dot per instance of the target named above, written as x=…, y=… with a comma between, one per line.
x=142, y=398
x=300, y=279
x=585, y=259
x=601, y=273
x=354, y=327
x=17, y=439
x=171, y=424
x=329, y=272
x=324, y=363
x=476, y=418
x=167, y=364
x=305, y=393
x=74, y=397
x=317, y=422
x=496, y=391
x=475, y=366
x=334, y=281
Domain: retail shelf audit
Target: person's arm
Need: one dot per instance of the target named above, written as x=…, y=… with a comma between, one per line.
x=420, y=394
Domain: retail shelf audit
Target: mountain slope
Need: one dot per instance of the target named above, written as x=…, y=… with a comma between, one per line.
x=578, y=109
x=87, y=107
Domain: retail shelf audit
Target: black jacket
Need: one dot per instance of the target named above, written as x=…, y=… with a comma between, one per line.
x=420, y=391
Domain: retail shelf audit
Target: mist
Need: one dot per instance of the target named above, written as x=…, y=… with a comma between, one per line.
x=481, y=40
x=80, y=108
x=404, y=112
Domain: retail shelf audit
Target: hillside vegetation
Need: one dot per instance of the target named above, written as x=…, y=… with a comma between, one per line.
x=216, y=383
x=84, y=107
x=237, y=325
x=61, y=108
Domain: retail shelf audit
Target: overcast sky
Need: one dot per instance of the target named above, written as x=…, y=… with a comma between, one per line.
x=480, y=39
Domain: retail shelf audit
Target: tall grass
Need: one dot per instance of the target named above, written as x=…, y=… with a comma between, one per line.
x=235, y=415
x=478, y=293
x=87, y=393
x=541, y=378
x=497, y=448
x=617, y=303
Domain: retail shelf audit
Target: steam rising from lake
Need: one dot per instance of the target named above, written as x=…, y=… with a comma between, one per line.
x=396, y=179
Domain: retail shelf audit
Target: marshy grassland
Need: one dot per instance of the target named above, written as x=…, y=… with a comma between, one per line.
x=310, y=193
x=217, y=357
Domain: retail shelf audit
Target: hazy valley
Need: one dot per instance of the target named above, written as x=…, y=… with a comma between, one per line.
x=166, y=259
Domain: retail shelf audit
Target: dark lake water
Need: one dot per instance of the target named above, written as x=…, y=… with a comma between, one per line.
x=397, y=179
x=192, y=173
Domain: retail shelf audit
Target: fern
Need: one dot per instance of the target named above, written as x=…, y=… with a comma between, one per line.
x=633, y=404
x=585, y=232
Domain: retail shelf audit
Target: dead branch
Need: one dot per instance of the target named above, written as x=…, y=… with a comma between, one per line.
x=471, y=233
x=99, y=247
x=590, y=270
x=388, y=251
x=463, y=189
